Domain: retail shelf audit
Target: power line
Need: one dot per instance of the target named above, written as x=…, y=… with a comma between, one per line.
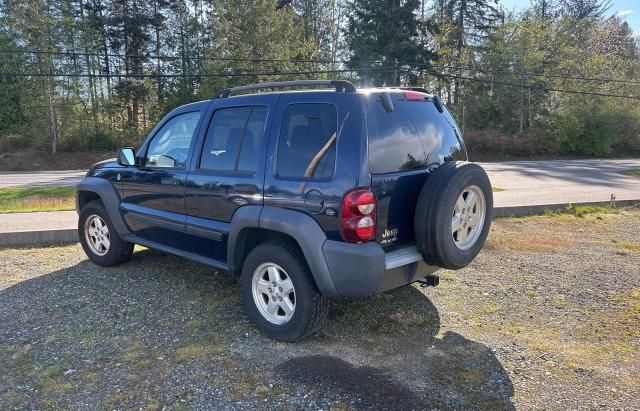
x=394, y=65
x=542, y=88
x=152, y=75
x=466, y=78
x=165, y=57
x=528, y=74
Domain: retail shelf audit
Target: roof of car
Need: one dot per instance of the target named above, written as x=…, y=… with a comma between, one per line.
x=273, y=89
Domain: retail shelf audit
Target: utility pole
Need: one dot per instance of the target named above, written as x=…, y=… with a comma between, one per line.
x=53, y=127
x=522, y=106
x=53, y=132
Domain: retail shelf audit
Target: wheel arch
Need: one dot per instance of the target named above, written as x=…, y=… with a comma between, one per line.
x=252, y=225
x=84, y=196
x=94, y=188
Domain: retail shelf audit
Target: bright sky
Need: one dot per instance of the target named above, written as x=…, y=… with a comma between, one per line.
x=629, y=10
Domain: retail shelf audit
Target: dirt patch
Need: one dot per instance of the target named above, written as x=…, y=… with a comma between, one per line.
x=519, y=328
x=516, y=234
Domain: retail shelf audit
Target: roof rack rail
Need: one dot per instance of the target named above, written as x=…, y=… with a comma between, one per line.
x=340, y=86
x=408, y=88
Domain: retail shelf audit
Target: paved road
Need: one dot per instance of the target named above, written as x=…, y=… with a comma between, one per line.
x=523, y=182
x=54, y=220
x=40, y=178
x=562, y=181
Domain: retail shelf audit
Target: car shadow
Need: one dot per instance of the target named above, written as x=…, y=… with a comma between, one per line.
x=406, y=361
x=161, y=328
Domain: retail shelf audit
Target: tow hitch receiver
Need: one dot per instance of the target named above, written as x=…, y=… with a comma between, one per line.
x=429, y=281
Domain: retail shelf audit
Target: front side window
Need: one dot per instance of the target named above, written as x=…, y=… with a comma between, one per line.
x=307, y=143
x=170, y=146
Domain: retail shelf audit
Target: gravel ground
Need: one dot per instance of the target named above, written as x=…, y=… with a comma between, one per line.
x=547, y=317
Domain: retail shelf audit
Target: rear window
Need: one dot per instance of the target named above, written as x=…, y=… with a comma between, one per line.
x=414, y=135
x=307, y=144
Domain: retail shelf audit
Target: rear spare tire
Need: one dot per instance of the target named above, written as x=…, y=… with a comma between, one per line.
x=453, y=214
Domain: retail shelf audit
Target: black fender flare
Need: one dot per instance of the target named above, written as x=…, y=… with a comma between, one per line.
x=107, y=193
x=297, y=225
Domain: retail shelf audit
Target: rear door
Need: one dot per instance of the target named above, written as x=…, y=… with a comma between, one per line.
x=310, y=129
x=402, y=145
x=228, y=170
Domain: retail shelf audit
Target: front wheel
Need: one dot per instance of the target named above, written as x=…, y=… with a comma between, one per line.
x=99, y=239
x=279, y=294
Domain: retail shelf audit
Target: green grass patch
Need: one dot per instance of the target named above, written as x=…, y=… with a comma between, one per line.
x=629, y=245
x=193, y=351
x=497, y=189
x=632, y=173
x=23, y=200
x=582, y=210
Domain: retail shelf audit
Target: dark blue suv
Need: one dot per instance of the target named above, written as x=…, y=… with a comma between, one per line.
x=306, y=190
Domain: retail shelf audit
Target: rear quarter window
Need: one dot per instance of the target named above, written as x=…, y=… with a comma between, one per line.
x=307, y=143
x=415, y=135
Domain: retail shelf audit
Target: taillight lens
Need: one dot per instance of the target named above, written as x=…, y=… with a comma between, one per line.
x=358, y=216
x=414, y=95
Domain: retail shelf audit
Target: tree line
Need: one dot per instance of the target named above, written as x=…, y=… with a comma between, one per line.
x=557, y=78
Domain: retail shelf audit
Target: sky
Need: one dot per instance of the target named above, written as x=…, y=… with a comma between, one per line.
x=628, y=10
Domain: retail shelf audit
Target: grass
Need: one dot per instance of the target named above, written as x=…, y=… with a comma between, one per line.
x=497, y=189
x=193, y=351
x=629, y=245
x=582, y=210
x=530, y=242
x=632, y=173
x=23, y=200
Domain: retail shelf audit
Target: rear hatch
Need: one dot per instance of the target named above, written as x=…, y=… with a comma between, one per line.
x=405, y=139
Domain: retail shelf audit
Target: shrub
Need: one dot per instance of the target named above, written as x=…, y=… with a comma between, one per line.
x=586, y=128
x=13, y=142
x=493, y=144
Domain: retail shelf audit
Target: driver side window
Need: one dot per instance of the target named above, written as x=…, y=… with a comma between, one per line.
x=170, y=146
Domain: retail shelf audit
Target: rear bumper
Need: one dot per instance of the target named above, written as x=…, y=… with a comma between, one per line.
x=365, y=269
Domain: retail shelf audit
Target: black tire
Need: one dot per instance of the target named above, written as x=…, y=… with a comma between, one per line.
x=435, y=208
x=118, y=252
x=311, y=307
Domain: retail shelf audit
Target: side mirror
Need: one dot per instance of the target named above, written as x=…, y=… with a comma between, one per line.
x=126, y=156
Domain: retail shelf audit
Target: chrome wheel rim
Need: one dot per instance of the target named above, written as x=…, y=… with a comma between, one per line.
x=97, y=235
x=273, y=293
x=468, y=217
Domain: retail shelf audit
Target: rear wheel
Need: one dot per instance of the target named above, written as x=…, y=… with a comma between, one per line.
x=279, y=294
x=453, y=214
x=99, y=239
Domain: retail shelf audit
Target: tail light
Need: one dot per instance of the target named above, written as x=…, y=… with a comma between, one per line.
x=414, y=96
x=358, y=216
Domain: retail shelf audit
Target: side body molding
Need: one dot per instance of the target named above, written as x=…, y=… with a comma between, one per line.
x=301, y=227
x=107, y=193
